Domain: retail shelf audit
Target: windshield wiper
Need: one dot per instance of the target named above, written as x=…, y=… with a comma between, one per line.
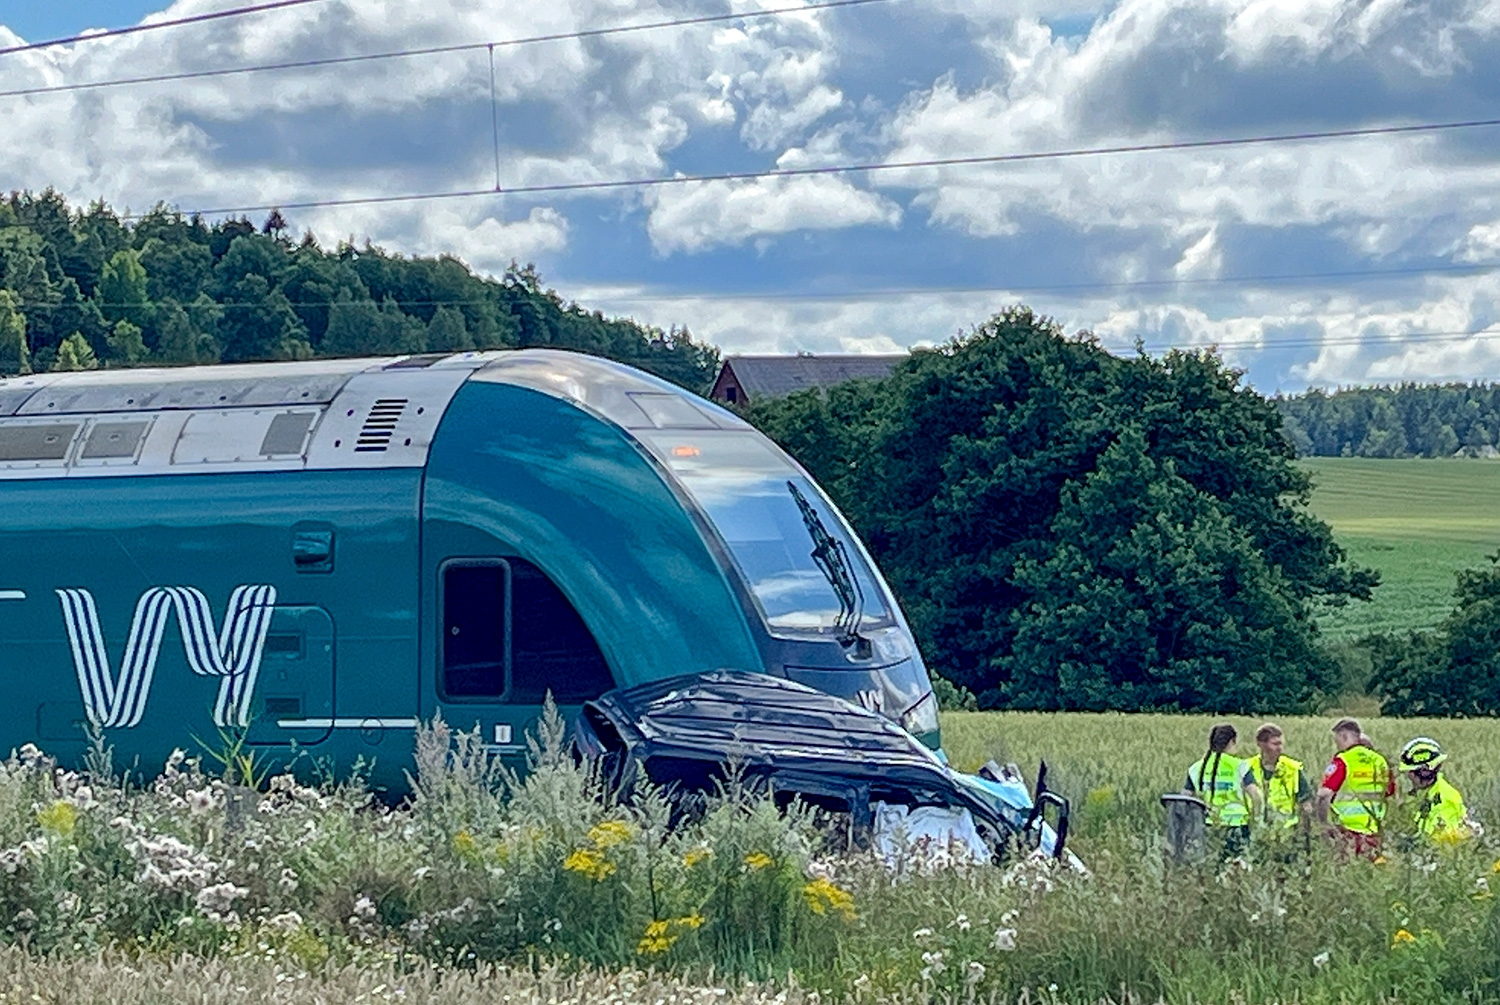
x=832, y=559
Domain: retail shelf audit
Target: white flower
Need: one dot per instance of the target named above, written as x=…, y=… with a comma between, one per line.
x=174, y=763
x=921, y=933
x=961, y=923
x=218, y=898
x=288, y=881
x=976, y=972
x=1321, y=960
x=934, y=962
x=1005, y=940
x=288, y=921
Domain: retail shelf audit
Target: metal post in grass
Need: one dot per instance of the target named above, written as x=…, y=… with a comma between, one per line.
x=1187, y=818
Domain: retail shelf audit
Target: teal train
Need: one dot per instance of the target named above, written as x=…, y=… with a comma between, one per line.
x=314, y=556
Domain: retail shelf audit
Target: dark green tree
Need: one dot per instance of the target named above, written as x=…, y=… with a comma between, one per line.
x=1068, y=529
x=15, y=354
x=1454, y=671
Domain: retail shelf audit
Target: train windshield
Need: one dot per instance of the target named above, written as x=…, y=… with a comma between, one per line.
x=751, y=494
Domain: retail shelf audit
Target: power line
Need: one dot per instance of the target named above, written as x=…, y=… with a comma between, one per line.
x=158, y=25
x=1354, y=275
x=1373, y=341
x=870, y=167
x=304, y=64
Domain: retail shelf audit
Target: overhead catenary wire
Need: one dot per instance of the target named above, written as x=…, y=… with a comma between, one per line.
x=1373, y=340
x=868, y=167
x=431, y=50
x=136, y=29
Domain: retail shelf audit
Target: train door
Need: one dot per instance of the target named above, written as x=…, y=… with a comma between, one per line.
x=294, y=690
x=509, y=637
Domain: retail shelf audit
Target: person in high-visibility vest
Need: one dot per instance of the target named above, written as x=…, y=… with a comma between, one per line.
x=1438, y=809
x=1220, y=780
x=1286, y=795
x=1356, y=789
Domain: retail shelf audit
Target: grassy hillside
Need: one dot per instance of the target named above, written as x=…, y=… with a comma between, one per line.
x=1417, y=521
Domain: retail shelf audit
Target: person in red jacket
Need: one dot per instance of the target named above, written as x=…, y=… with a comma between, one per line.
x=1357, y=787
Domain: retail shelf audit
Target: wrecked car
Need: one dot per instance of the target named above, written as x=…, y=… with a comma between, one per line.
x=687, y=735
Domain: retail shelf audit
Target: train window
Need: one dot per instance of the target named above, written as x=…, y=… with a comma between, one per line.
x=551, y=648
x=510, y=635
x=474, y=629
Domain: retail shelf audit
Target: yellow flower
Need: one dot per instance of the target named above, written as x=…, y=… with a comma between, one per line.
x=695, y=855
x=60, y=818
x=658, y=939
x=610, y=833
x=1402, y=937
x=1496, y=866
x=824, y=897
x=758, y=860
x=465, y=845
x=590, y=863
x=693, y=921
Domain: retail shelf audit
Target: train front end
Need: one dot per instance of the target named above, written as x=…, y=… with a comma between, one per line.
x=814, y=602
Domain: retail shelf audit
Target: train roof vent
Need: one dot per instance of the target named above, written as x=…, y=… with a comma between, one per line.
x=380, y=425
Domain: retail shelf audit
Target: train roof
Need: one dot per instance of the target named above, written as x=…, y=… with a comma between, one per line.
x=300, y=415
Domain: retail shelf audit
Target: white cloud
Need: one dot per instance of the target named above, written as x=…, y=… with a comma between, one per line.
x=697, y=216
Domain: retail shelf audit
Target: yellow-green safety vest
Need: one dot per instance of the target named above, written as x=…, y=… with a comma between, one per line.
x=1221, y=789
x=1359, y=804
x=1280, y=790
x=1440, y=811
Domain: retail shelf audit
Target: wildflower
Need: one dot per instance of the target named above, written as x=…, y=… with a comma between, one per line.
x=287, y=882
x=824, y=897
x=758, y=860
x=610, y=833
x=975, y=972
x=60, y=818
x=921, y=933
x=1496, y=867
x=218, y=898
x=934, y=964
x=657, y=940
x=31, y=755
x=1482, y=889
x=287, y=922
x=961, y=923
x=695, y=855
x=1402, y=937
x=693, y=921
x=199, y=800
x=590, y=863
x=1321, y=960
x=82, y=797
x=464, y=845
x=1005, y=940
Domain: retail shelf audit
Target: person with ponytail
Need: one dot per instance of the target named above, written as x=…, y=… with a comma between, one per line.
x=1221, y=780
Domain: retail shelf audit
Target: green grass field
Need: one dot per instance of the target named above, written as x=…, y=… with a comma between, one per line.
x=1418, y=521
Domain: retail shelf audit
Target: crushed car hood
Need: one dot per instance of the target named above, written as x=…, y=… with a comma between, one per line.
x=686, y=732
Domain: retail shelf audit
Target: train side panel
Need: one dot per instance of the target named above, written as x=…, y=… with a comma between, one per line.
x=134, y=601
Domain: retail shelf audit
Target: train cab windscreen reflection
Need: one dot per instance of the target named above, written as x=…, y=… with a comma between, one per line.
x=742, y=486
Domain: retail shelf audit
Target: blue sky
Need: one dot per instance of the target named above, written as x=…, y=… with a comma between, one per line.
x=49, y=19
x=1229, y=247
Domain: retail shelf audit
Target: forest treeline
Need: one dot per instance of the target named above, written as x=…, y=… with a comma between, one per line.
x=1409, y=420
x=83, y=287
